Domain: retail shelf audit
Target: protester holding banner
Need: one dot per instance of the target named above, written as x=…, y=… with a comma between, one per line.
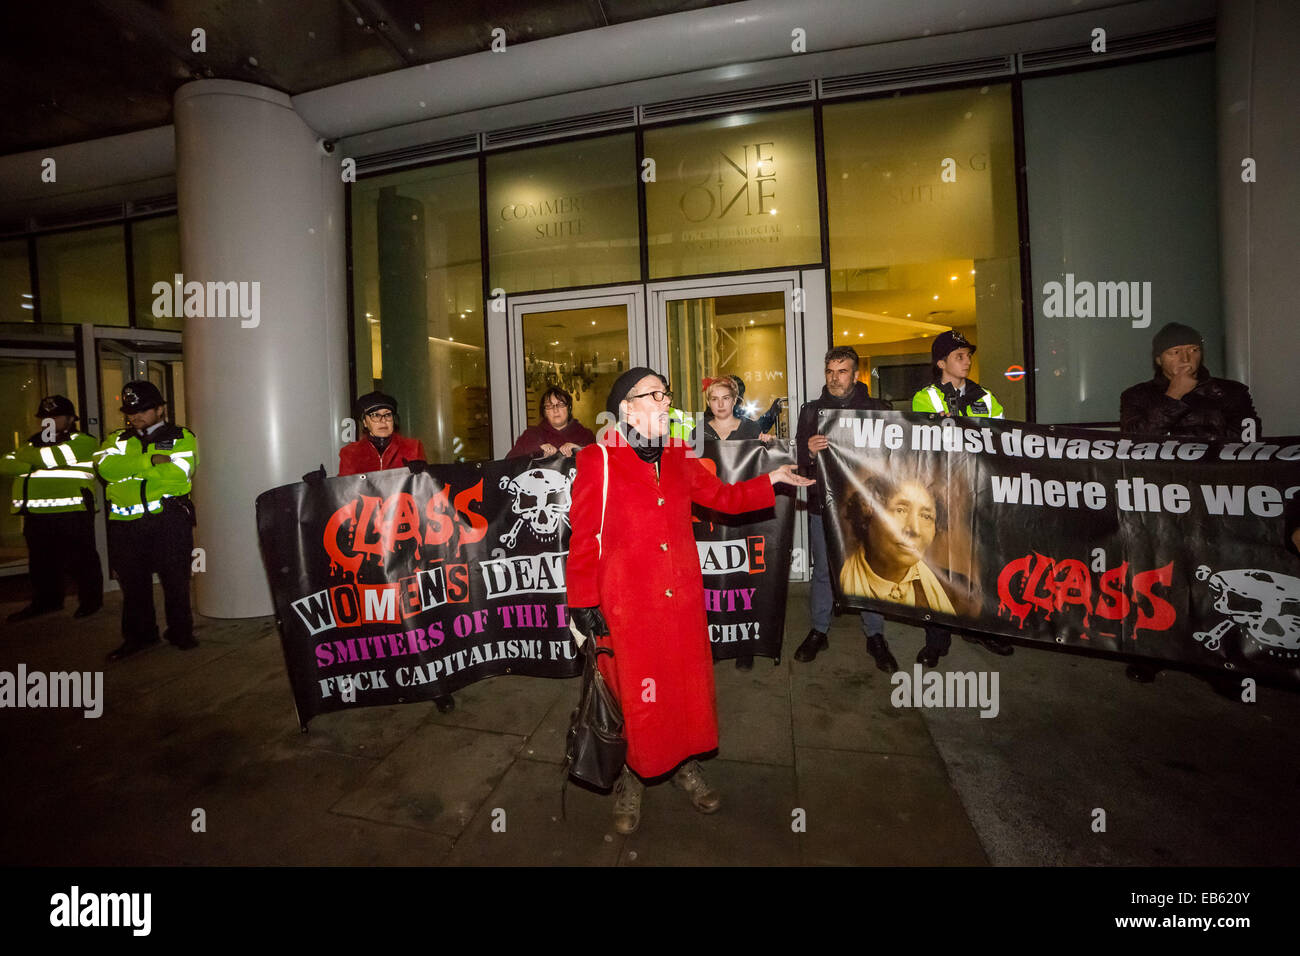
x=764, y=421
x=721, y=396
x=1183, y=400
x=383, y=445
x=842, y=390
x=634, y=583
x=955, y=393
x=555, y=432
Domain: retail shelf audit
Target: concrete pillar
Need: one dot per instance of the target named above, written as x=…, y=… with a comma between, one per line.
x=260, y=201
x=1259, y=101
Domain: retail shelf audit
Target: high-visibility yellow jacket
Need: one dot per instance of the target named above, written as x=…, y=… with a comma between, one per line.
x=52, y=478
x=978, y=404
x=136, y=486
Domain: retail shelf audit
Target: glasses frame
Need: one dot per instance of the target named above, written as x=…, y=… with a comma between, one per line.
x=665, y=395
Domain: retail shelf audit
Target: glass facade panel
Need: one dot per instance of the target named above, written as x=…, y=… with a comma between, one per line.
x=714, y=336
x=417, y=301
x=82, y=276
x=733, y=193
x=563, y=215
x=155, y=257
x=16, y=302
x=921, y=204
x=581, y=350
x=1123, y=226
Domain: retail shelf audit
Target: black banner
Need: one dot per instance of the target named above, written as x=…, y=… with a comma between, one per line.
x=1157, y=548
x=746, y=558
x=391, y=587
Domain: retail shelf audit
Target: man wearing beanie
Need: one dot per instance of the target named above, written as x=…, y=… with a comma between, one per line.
x=1182, y=399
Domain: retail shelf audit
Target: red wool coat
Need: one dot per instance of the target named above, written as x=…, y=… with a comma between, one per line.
x=361, y=456
x=649, y=587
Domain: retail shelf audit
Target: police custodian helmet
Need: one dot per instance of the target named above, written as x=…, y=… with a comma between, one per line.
x=140, y=396
x=54, y=405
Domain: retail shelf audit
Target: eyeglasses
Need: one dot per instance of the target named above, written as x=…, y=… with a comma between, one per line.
x=552, y=405
x=380, y=416
x=657, y=395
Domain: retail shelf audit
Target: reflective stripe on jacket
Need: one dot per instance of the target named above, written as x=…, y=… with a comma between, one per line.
x=54, y=478
x=984, y=405
x=135, y=484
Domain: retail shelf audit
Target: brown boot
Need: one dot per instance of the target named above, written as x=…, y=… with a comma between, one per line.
x=691, y=779
x=627, y=802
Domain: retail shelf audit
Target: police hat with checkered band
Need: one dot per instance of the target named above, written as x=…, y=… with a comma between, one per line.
x=54, y=405
x=140, y=396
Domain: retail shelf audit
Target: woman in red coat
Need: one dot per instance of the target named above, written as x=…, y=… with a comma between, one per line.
x=557, y=431
x=383, y=447
x=643, y=578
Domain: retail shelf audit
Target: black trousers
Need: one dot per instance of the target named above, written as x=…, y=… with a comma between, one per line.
x=59, y=544
x=159, y=542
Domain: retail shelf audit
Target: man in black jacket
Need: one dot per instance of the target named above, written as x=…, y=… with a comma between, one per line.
x=842, y=390
x=1183, y=400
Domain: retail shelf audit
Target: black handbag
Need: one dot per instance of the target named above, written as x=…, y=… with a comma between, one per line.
x=595, y=749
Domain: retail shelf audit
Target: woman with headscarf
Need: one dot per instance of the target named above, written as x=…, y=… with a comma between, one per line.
x=555, y=432
x=635, y=586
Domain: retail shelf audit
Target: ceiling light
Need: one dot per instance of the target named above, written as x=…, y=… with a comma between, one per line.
x=936, y=298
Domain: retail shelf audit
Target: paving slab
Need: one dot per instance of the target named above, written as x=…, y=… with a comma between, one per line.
x=435, y=780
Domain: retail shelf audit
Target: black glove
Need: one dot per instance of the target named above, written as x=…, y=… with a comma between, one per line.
x=418, y=466
x=588, y=621
x=315, y=478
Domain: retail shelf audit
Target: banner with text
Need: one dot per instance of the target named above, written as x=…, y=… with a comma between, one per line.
x=1171, y=549
x=394, y=587
x=746, y=558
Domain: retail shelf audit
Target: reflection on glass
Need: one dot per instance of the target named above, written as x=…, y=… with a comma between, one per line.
x=740, y=335
x=1110, y=212
x=731, y=193
x=563, y=215
x=23, y=383
x=921, y=203
x=82, y=276
x=155, y=257
x=581, y=350
x=16, y=301
x=417, y=304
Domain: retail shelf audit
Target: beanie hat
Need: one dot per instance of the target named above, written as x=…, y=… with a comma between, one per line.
x=1173, y=335
x=623, y=384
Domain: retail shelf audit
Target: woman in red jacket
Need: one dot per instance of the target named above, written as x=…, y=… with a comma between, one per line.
x=556, y=431
x=642, y=575
x=383, y=447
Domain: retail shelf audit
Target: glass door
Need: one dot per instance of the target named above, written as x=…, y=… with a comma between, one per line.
x=579, y=341
x=754, y=327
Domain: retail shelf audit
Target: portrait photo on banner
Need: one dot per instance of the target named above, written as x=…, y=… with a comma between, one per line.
x=906, y=527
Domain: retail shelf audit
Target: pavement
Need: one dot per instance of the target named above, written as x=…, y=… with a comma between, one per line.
x=197, y=759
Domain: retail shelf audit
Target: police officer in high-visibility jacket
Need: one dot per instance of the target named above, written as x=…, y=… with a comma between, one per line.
x=954, y=393
x=149, y=467
x=54, y=491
